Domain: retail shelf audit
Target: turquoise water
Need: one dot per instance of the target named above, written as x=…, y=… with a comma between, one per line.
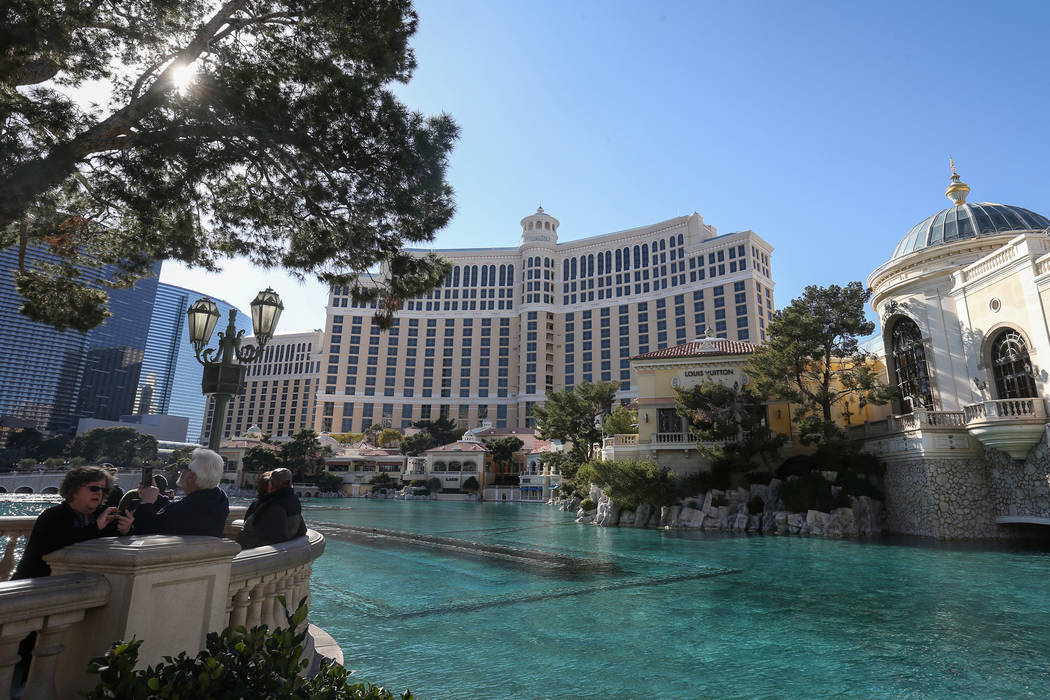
x=684, y=615
x=681, y=615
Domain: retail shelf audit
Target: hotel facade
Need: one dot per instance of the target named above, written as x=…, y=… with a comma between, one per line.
x=509, y=324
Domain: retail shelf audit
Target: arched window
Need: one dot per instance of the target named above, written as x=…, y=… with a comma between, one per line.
x=565, y=270
x=455, y=276
x=627, y=258
x=502, y=275
x=601, y=264
x=608, y=262
x=619, y=260
x=484, y=275
x=510, y=275
x=473, y=275
x=637, y=258
x=573, y=261
x=909, y=359
x=645, y=255
x=1012, y=366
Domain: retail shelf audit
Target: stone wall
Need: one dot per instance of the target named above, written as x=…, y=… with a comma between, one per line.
x=942, y=498
x=1021, y=488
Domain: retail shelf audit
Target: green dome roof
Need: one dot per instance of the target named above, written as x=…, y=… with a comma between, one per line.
x=964, y=221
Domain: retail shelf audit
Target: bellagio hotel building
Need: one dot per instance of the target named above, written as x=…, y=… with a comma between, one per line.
x=509, y=324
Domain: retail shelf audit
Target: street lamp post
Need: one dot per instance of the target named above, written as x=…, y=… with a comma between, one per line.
x=224, y=368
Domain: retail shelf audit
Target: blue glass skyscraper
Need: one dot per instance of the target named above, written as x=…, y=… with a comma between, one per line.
x=53, y=378
x=170, y=381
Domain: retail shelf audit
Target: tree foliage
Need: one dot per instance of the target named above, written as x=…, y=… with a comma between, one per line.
x=729, y=424
x=503, y=448
x=443, y=430
x=813, y=358
x=261, y=459
x=630, y=483
x=414, y=445
x=122, y=447
x=576, y=415
x=286, y=146
x=304, y=454
x=622, y=421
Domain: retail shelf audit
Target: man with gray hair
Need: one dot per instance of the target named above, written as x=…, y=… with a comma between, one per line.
x=202, y=511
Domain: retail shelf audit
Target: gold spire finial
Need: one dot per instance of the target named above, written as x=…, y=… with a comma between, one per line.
x=958, y=190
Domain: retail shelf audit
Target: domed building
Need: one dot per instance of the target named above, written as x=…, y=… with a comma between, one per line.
x=963, y=308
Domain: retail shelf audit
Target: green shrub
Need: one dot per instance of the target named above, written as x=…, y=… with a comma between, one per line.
x=691, y=503
x=234, y=664
x=693, y=484
x=470, y=484
x=762, y=478
x=809, y=492
x=588, y=504
x=719, y=501
x=434, y=484
x=417, y=482
x=756, y=505
x=799, y=465
x=630, y=483
x=856, y=485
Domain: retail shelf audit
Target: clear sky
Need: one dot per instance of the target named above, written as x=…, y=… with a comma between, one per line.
x=823, y=127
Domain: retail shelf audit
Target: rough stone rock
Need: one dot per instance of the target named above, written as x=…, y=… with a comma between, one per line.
x=669, y=515
x=754, y=523
x=759, y=491
x=769, y=521
x=773, y=501
x=817, y=522
x=585, y=518
x=608, y=514
x=736, y=507
x=654, y=519
x=795, y=522
x=641, y=515
x=594, y=493
x=626, y=517
x=830, y=476
x=841, y=523
x=690, y=517
x=740, y=522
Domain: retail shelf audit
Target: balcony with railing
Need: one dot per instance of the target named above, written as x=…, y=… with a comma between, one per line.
x=1014, y=426
x=168, y=591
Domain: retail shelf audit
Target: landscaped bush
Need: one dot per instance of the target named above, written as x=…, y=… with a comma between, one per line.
x=693, y=484
x=434, y=484
x=809, y=492
x=691, y=503
x=719, y=501
x=756, y=505
x=588, y=504
x=799, y=465
x=856, y=485
x=631, y=483
x=470, y=484
x=234, y=664
x=417, y=482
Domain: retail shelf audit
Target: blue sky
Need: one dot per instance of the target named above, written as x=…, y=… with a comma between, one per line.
x=823, y=127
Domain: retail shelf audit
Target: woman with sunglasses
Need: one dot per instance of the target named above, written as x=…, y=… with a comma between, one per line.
x=81, y=517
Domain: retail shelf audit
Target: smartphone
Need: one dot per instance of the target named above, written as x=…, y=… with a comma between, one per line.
x=147, y=476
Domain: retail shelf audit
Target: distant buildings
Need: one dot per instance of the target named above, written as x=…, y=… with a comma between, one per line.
x=138, y=362
x=508, y=324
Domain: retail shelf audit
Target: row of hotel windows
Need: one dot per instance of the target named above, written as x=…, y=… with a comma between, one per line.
x=408, y=414
x=539, y=280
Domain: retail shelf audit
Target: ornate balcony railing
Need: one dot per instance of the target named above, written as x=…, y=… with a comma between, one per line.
x=107, y=589
x=620, y=441
x=1005, y=409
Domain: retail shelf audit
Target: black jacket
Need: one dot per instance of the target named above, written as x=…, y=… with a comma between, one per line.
x=203, y=512
x=278, y=517
x=57, y=527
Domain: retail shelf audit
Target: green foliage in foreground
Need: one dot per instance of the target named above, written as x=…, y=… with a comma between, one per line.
x=630, y=483
x=235, y=664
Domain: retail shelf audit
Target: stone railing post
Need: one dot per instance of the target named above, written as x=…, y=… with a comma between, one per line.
x=168, y=591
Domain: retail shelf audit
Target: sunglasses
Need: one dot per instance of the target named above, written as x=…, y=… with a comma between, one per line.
x=98, y=489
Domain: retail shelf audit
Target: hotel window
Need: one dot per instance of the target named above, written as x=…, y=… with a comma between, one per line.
x=909, y=360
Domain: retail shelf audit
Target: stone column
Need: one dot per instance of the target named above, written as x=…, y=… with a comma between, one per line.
x=168, y=591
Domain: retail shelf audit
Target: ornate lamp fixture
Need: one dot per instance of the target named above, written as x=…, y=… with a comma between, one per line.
x=224, y=367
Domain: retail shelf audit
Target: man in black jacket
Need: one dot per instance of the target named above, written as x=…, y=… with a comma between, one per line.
x=277, y=518
x=202, y=511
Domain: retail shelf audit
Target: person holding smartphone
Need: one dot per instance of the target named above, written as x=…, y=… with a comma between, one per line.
x=202, y=511
x=81, y=516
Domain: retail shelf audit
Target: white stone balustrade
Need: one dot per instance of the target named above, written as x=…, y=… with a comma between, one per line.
x=11, y=531
x=1014, y=426
x=168, y=591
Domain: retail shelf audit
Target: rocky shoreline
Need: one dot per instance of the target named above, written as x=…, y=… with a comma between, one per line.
x=729, y=511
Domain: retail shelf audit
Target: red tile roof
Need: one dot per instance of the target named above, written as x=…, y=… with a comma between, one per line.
x=460, y=446
x=701, y=348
